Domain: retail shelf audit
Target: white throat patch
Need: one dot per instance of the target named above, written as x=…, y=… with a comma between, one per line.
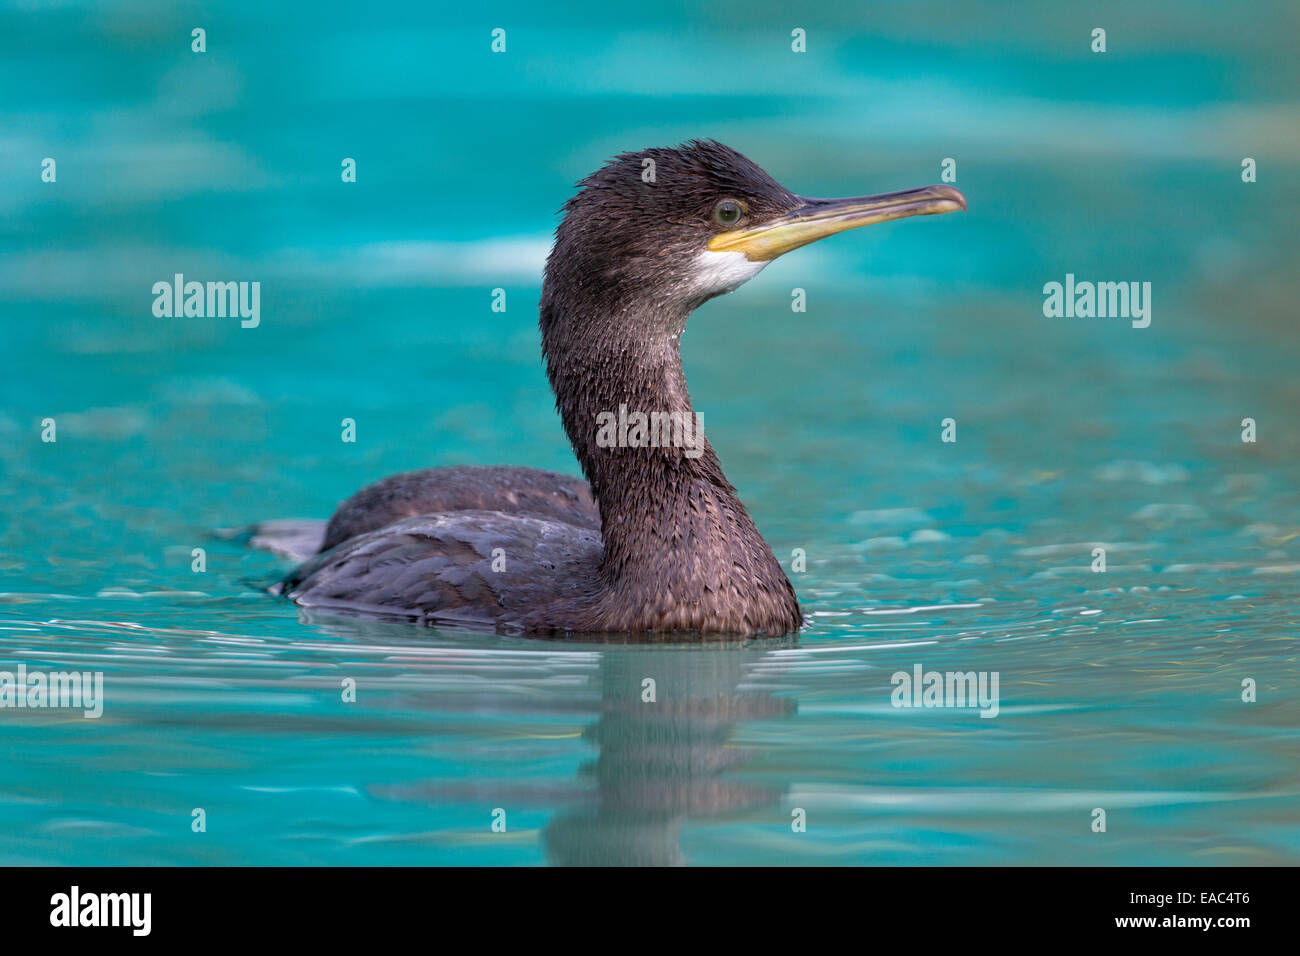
x=724, y=271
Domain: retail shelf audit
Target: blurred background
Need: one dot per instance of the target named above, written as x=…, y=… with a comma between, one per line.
x=1119, y=690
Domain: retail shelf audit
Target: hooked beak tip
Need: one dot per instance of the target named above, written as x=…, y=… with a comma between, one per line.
x=954, y=195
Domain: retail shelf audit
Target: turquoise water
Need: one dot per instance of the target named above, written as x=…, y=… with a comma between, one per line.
x=1118, y=690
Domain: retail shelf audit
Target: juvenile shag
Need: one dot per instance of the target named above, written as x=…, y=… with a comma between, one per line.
x=656, y=538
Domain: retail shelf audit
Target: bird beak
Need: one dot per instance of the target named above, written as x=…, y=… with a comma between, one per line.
x=818, y=218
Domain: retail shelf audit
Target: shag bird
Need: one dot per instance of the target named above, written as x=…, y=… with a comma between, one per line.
x=655, y=539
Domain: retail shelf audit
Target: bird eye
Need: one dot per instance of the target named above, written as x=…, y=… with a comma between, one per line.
x=727, y=212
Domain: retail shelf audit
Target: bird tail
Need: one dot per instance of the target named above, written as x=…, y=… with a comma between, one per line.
x=294, y=538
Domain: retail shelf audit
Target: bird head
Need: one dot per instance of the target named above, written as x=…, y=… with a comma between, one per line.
x=661, y=231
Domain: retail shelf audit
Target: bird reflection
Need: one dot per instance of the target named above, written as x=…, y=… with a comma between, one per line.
x=660, y=761
x=663, y=761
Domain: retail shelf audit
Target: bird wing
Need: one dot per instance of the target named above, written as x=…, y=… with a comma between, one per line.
x=472, y=567
x=523, y=491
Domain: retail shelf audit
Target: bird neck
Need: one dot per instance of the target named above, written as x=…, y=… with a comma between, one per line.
x=678, y=543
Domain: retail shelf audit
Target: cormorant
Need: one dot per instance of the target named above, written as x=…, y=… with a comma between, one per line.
x=656, y=539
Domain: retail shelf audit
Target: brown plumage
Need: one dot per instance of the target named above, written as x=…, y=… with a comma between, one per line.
x=656, y=538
